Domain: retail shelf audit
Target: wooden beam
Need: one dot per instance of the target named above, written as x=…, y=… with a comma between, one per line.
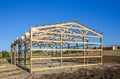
x=66, y=41
x=51, y=32
x=54, y=25
x=75, y=57
x=89, y=30
x=68, y=49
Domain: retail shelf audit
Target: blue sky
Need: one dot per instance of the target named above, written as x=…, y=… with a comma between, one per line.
x=16, y=17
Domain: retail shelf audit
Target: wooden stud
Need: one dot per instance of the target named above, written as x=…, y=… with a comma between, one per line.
x=19, y=54
x=14, y=54
x=30, y=50
x=75, y=57
x=11, y=57
x=25, y=50
x=101, y=52
x=61, y=46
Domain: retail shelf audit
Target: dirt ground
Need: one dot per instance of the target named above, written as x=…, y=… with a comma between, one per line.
x=109, y=70
x=9, y=71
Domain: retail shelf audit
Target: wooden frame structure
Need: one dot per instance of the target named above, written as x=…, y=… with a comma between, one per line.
x=56, y=46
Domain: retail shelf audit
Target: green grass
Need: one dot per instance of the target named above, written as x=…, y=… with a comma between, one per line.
x=112, y=53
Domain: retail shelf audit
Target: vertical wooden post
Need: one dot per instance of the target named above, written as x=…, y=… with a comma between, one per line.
x=19, y=55
x=25, y=50
x=11, y=54
x=61, y=45
x=56, y=51
x=87, y=51
x=87, y=44
x=14, y=54
x=68, y=49
x=31, y=50
x=101, y=52
x=84, y=49
x=51, y=51
x=77, y=45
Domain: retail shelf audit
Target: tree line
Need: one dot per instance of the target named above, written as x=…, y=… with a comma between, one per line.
x=4, y=54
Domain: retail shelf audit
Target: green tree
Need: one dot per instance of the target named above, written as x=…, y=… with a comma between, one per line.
x=118, y=47
x=95, y=47
x=5, y=54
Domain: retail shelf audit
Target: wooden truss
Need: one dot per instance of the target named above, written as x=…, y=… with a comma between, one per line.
x=69, y=42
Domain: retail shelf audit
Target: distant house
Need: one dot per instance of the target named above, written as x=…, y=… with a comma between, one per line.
x=110, y=48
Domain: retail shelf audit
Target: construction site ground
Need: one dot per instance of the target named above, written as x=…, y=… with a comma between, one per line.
x=109, y=70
